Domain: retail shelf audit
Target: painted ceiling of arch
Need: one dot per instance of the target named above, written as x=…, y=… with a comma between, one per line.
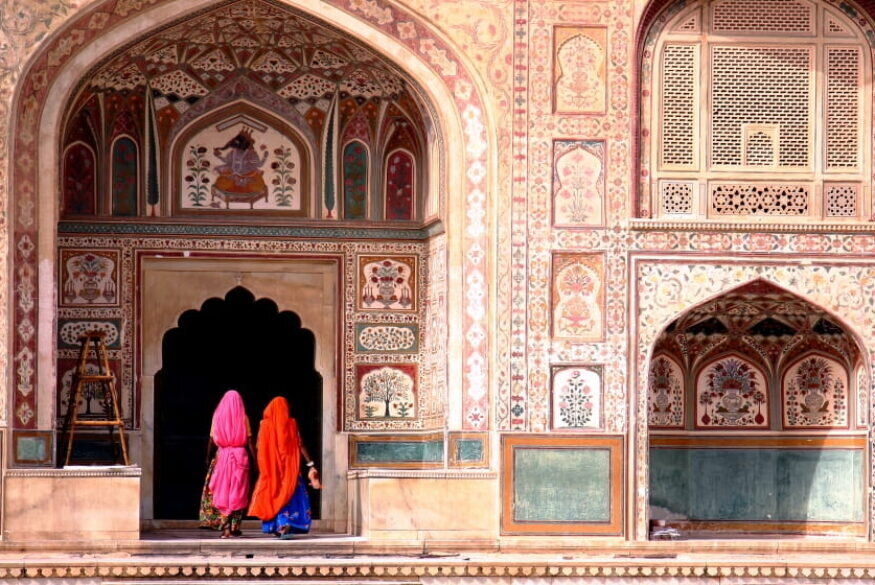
x=300, y=60
x=769, y=324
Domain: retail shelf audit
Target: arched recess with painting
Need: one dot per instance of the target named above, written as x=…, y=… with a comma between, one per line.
x=757, y=419
x=227, y=151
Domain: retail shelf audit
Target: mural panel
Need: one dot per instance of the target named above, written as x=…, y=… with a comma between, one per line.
x=355, y=181
x=577, y=397
x=386, y=391
x=125, y=177
x=578, y=183
x=731, y=393
x=241, y=166
x=88, y=278
x=814, y=391
x=578, y=296
x=386, y=338
x=665, y=393
x=400, y=185
x=80, y=181
x=579, y=72
x=94, y=402
x=387, y=283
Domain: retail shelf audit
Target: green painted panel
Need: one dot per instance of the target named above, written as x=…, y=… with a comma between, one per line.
x=469, y=450
x=399, y=451
x=31, y=449
x=765, y=485
x=561, y=485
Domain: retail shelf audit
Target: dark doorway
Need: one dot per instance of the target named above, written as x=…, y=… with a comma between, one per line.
x=233, y=343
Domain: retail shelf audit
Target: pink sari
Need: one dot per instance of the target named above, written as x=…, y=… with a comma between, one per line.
x=230, y=481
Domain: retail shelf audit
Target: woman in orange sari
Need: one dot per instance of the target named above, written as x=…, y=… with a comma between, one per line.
x=280, y=498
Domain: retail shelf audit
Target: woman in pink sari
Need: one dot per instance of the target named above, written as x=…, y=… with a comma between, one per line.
x=226, y=488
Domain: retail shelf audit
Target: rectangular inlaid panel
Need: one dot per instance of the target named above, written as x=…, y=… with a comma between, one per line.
x=405, y=451
x=782, y=484
x=32, y=448
x=562, y=485
x=468, y=449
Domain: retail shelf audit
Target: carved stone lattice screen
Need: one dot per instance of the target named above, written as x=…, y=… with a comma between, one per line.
x=760, y=108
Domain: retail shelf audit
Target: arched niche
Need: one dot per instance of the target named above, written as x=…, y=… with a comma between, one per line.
x=735, y=458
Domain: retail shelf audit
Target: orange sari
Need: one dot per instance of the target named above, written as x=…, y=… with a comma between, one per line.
x=279, y=460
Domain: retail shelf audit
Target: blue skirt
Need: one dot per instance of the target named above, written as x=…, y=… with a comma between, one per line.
x=295, y=514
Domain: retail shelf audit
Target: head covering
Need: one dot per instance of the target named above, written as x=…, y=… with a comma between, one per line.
x=230, y=480
x=279, y=460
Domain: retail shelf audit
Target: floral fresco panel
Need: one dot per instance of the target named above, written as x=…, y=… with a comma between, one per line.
x=89, y=278
x=665, y=393
x=731, y=392
x=579, y=69
x=578, y=296
x=577, y=397
x=578, y=183
x=387, y=283
x=815, y=394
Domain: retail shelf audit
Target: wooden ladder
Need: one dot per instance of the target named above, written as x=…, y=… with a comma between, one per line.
x=81, y=377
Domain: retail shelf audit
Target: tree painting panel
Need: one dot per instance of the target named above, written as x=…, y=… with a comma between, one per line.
x=355, y=181
x=80, y=183
x=400, y=172
x=386, y=391
x=125, y=177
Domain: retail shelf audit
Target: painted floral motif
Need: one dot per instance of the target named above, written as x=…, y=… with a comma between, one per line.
x=197, y=177
x=578, y=183
x=387, y=283
x=400, y=178
x=89, y=278
x=69, y=332
x=386, y=338
x=284, y=180
x=580, y=62
x=578, y=296
x=731, y=393
x=576, y=397
x=355, y=181
x=665, y=394
x=386, y=391
x=815, y=394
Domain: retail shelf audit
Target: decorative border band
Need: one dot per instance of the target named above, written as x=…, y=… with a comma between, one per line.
x=262, y=231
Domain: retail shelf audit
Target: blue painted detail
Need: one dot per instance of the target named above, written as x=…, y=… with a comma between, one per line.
x=399, y=451
x=160, y=229
x=759, y=485
x=31, y=449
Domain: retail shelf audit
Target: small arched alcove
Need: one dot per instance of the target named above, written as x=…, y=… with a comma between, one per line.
x=753, y=419
x=237, y=342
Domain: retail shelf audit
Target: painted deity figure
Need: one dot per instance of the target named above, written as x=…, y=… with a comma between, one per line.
x=240, y=175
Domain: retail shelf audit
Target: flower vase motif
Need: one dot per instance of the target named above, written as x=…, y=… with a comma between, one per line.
x=89, y=278
x=732, y=395
x=666, y=394
x=814, y=394
x=578, y=183
x=386, y=285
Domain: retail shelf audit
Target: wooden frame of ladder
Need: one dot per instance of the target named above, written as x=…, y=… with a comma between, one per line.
x=81, y=377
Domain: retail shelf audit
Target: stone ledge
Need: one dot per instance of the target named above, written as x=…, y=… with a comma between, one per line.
x=78, y=471
x=420, y=474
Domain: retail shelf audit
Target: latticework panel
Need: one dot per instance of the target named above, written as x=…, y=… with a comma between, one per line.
x=841, y=199
x=761, y=85
x=842, y=107
x=676, y=197
x=780, y=16
x=679, y=81
x=759, y=199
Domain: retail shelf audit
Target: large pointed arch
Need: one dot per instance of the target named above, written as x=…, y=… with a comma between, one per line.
x=51, y=76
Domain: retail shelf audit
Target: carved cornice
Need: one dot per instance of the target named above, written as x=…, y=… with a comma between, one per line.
x=420, y=474
x=771, y=227
x=400, y=571
x=90, y=471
